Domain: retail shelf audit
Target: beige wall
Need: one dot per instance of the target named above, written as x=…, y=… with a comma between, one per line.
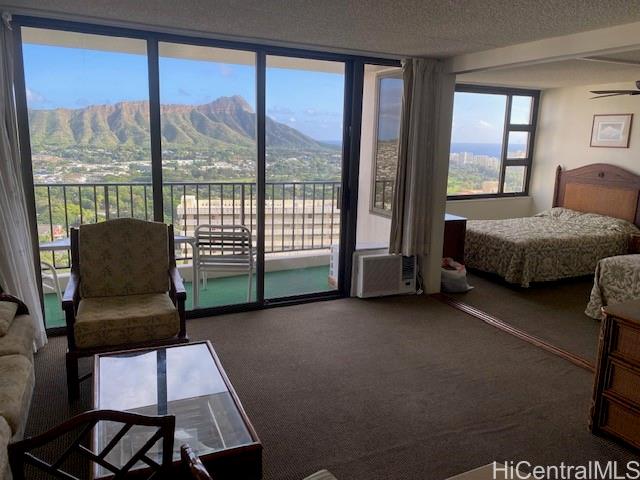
x=564, y=133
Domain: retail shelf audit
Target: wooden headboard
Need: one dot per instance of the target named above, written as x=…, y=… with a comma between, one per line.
x=599, y=188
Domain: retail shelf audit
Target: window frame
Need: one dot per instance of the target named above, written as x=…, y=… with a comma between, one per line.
x=508, y=127
x=379, y=76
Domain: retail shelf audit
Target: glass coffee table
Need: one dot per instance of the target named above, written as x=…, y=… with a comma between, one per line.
x=185, y=380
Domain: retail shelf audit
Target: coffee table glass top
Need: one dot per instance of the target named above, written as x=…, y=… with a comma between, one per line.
x=182, y=380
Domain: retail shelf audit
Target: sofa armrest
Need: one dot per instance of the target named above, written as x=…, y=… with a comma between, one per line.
x=177, y=286
x=71, y=293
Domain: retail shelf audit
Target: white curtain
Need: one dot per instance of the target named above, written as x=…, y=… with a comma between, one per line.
x=413, y=200
x=17, y=265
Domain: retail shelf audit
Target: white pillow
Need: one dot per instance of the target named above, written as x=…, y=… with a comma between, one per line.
x=7, y=314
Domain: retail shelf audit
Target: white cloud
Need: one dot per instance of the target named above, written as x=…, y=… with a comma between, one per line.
x=225, y=70
x=485, y=124
x=278, y=110
x=292, y=120
x=34, y=97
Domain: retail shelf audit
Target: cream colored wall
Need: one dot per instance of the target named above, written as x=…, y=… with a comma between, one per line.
x=491, y=208
x=564, y=133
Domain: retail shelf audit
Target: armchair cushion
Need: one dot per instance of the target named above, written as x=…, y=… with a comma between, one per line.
x=121, y=320
x=16, y=386
x=121, y=257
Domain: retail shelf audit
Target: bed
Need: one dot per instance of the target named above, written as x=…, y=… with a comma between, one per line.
x=617, y=279
x=596, y=209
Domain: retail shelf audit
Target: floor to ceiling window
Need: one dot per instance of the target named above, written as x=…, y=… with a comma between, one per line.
x=244, y=140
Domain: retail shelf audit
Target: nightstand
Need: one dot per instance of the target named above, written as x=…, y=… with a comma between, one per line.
x=455, y=229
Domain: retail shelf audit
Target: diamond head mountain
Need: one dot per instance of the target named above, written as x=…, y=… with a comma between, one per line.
x=227, y=121
x=210, y=142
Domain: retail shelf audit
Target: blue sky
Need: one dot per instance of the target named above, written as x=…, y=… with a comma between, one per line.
x=311, y=102
x=58, y=77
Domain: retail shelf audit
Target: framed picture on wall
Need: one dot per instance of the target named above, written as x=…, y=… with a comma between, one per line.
x=611, y=130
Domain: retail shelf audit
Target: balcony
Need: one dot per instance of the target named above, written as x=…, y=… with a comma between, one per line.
x=302, y=221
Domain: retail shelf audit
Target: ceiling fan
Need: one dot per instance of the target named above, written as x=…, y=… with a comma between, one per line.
x=615, y=93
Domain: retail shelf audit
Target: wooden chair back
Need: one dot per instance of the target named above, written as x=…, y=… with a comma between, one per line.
x=192, y=464
x=21, y=453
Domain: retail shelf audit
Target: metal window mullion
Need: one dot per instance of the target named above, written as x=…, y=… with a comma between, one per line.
x=535, y=103
x=261, y=80
x=505, y=145
x=155, y=127
x=516, y=127
x=517, y=162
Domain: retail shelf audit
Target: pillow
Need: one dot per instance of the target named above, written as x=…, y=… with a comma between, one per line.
x=7, y=314
x=559, y=213
x=590, y=220
x=22, y=308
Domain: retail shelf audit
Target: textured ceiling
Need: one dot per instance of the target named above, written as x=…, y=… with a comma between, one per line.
x=408, y=27
x=559, y=74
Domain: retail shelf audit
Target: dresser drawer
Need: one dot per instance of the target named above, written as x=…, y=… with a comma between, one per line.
x=626, y=342
x=621, y=421
x=623, y=381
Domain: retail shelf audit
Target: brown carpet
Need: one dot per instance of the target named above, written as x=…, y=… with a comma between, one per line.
x=552, y=311
x=395, y=388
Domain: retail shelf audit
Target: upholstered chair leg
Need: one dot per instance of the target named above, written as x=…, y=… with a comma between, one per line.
x=73, y=380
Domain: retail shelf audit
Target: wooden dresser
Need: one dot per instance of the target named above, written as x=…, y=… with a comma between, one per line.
x=615, y=409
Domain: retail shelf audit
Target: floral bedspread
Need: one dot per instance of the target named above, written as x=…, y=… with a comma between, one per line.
x=555, y=244
x=617, y=279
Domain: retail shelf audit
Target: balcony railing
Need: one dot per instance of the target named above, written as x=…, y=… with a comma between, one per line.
x=298, y=215
x=383, y=194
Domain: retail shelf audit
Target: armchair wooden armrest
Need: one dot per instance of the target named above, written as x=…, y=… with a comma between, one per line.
x=71, y=293
x=177, y=285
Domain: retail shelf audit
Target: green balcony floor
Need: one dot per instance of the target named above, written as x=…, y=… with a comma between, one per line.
x=231, y=290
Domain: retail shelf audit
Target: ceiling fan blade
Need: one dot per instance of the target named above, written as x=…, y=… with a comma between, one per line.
x=609, y=95
x=619, y=92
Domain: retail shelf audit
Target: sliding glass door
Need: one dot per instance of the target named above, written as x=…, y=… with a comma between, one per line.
x=209, y=159
x=304, y=127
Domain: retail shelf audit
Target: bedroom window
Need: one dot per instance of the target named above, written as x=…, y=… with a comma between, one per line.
x=389, y=89
x=491, y=141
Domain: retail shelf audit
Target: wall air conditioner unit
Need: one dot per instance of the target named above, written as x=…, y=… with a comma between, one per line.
x=385, y=274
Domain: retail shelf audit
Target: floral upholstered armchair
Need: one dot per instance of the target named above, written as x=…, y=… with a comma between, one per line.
x=124, y=291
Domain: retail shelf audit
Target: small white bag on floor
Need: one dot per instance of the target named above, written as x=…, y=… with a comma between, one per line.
x=454, y=277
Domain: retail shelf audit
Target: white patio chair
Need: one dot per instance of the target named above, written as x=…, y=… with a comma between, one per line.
x=222, y=248
x=50, y=278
